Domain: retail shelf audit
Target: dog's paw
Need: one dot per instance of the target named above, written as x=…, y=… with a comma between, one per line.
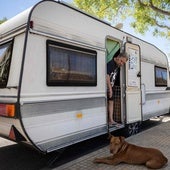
x=97, y=160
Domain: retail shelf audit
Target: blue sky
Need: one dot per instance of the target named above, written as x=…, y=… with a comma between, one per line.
x=10, y=8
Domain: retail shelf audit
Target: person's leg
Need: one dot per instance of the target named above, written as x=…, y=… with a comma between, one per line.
x=110, y=110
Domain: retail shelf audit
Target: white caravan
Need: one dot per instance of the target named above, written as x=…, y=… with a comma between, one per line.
x=53, y=92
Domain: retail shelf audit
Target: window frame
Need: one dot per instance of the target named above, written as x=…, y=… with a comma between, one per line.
x=158, y=84
x=72, y=48
x=4, y=84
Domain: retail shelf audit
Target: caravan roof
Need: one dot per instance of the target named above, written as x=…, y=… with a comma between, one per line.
x=17, y=22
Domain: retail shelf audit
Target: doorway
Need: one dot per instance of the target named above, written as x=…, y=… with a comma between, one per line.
x=113, y=50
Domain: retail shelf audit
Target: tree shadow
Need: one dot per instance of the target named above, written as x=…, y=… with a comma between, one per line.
x=20, y=157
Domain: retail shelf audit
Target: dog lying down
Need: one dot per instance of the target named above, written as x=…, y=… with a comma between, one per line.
x=128, y=153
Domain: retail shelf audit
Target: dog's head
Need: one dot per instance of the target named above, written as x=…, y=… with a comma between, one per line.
x=116, y=144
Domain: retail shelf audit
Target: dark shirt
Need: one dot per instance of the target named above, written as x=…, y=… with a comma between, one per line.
x=111, y=66
x=112, y=70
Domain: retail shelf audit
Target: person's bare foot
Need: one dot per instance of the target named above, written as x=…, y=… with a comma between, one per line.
x=113, y=123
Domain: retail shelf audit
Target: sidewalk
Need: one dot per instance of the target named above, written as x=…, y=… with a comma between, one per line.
x=156, y=137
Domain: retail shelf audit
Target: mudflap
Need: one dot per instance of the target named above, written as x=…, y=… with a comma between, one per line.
x=132, y=129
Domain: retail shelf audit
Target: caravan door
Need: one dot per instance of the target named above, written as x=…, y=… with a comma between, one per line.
x=133, y=84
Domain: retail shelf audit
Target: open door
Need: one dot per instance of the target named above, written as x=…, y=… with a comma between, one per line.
x=133, y=84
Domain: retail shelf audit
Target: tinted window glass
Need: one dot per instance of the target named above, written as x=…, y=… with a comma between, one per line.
x=70, y=65
x=5, y=58
x=160, y=76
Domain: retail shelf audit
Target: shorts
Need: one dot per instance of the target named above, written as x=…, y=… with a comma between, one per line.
x=113, y=94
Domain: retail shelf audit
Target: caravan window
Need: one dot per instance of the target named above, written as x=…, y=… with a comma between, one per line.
x=160, y=76
x=5, y=58
x=70, y=65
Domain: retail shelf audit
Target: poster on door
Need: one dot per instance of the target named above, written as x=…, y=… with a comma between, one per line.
x=133, y=68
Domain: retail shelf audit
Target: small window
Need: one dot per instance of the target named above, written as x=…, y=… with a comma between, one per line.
x=5, y=58
x=69, y=65
x=160, y=76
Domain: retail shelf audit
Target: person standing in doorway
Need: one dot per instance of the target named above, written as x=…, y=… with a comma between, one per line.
x=112, y=71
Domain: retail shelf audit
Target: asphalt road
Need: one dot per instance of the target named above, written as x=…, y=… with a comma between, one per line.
x=20, y=157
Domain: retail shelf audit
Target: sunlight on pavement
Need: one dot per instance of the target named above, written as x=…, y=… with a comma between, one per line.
x=165, y=118
x=5, y=142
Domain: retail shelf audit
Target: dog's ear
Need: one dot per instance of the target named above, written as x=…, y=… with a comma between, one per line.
x=117, y=140
x=122, y=138
x=110, y=136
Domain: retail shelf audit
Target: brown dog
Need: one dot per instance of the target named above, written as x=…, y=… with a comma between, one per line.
x=128, y=153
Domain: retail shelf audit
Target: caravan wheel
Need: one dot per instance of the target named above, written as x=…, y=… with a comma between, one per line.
x=132, y=129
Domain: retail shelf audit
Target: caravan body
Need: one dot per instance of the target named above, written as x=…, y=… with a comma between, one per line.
x=53, y=77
